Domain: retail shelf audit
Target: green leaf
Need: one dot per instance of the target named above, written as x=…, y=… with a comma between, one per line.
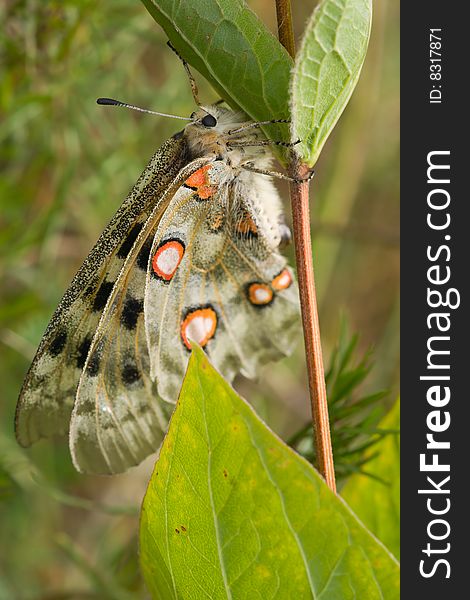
x=376, y=499
x=326, y=70
x=232, y=512
x=228, y=44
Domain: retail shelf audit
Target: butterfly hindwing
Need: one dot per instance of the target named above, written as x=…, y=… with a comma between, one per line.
x=217, y=272
x=172, y=272
x=258, y=322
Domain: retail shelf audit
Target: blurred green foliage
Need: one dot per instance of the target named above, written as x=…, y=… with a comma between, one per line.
x=66, y=164
x=354, y=417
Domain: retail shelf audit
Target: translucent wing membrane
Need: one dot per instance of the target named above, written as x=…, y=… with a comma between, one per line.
x=118, y=418
x=219, y=285
x=48, y=393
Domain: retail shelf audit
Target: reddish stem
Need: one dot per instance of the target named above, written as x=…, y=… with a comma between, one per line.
x=299, y=193
x=308, y=298
x=284, y=26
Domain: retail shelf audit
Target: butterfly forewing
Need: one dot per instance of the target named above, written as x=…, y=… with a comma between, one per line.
x=48, y=393
x=118, y=418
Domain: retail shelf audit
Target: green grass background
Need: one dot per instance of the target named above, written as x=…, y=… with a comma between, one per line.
x=66, y=164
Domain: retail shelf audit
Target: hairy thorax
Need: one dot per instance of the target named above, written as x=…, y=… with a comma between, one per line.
x=240, y=205
x=228, y=140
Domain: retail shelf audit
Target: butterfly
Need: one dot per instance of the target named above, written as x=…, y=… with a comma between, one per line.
x=192, y=254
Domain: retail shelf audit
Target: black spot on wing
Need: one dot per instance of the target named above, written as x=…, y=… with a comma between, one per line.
x=94, y=364
x=58, y=343
x=90, y=290
x=143, y=256
x=102, y=295
x=83, y=352
x=129, y=241
x=130, y=374
x=131, y=311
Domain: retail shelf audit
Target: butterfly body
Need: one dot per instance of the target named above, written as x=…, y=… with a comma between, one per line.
x=191, y=255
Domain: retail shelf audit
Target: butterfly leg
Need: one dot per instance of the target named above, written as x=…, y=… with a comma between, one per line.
x=258, y=124
x=262, y=143
x=192, y=81
x=277, y=175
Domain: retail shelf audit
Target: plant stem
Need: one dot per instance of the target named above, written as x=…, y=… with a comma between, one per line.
x=284, y=25
x=299, y=193
x=308, y=302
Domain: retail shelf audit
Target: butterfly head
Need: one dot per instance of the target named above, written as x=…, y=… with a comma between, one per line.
x=216, y=130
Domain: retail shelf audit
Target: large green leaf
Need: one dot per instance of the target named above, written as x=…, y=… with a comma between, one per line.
x=228, y=44
x=376, y=499
x=232, y=512
x=327, y=69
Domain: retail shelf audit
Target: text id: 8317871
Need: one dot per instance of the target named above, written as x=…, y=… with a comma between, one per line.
x=435, y=66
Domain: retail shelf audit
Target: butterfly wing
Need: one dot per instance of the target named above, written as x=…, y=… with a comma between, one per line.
x=48, y=393
x=216, y=280
x=184, y=259
x=195, y=285
x=118, y=418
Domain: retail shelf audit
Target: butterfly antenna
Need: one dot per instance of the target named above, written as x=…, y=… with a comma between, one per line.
x=192, y=81
x=112, y=102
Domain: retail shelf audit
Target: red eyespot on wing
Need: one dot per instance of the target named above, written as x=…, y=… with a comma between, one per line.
x=282, y=281
x=199, y=325
x=260, y=294
x=167, y=259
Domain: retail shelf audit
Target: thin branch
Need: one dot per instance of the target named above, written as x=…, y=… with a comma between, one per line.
x=299, y=193
x=308, y=302
x=284, y=26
